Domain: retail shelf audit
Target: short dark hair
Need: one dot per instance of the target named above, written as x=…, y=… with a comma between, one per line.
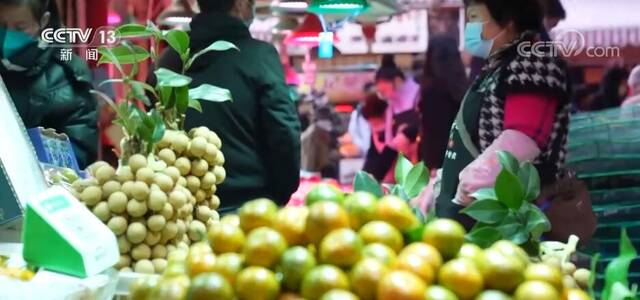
x=374, y=107
x=216, y=5
x=388, y=70
x=38, y=7
x=526, y=15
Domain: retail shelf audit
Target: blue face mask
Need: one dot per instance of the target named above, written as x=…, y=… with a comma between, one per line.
x=473, y=41
x=12, y=42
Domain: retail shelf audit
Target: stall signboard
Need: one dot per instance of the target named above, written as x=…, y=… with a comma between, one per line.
x=60, y=234
x=21, y=177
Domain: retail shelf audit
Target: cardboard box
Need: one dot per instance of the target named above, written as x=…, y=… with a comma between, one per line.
x=21, y=177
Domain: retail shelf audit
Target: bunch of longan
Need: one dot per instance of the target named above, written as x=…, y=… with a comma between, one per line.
x=154, y=207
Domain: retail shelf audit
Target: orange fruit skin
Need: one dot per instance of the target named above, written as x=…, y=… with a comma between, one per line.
x=323, y=218
x=382, y=232
x=401, y=285
x=461, y=277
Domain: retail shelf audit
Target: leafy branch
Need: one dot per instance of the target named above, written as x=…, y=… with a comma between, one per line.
x=506, y=211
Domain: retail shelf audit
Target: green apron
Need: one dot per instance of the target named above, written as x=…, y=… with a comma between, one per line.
x=461, y=151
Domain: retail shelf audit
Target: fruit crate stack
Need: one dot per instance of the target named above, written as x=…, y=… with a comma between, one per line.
x=604, y=150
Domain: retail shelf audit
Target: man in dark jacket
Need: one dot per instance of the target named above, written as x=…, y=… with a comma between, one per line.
x=260, y=130
x=46, y=90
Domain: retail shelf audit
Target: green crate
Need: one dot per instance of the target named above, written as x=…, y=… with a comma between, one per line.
x=605, y=116
x=610, y=180
x=617, y=213
x=621, y=130
x=607, y=149
x=615, y=196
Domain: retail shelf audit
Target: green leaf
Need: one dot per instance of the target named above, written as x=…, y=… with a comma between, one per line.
x=170, y=78
x=195, y=104
x=619, y=291
x=179, y=41
x=216, y=46
x=509, y=189
x=132, y=31
x=107, y=56
x=419, y=214
x=431, y=216
x=166, y=97
x=123, y=55
x=364, y=182
x=483, y=236
x=138, y=92
x=416, y=180
x=618, y=268
x=182, y=99
x=485, y=194
x=537, y=221
x=592, y=278
x=508, y=161
x=399, y=191
x=513, y=229
x=153, y=29
x=403, y=166
x=530, y=180
x=487, y=211
x=111, y=81
x=159, y=127
x=210, y=93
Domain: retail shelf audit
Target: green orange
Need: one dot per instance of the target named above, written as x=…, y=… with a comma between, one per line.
x=380, y=252
x=446, y=235
x=323, y=218
x=324, y=192
x=383, y=233
x=263, y=247
x=257, y=213
x=365, y=276
x=257, y=283
x=296, y=262
x=322, y=279
x=362, y=207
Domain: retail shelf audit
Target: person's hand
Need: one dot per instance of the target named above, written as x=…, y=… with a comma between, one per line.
x=401, y=143
x=345, y=139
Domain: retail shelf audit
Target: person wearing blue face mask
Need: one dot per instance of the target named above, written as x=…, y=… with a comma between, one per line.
x=518, y=103
x=46, y=91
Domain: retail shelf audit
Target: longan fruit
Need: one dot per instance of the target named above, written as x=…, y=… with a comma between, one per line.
x=124, y=246
x=117, y=224
x=117, y=202
x=214, y=139
x=177, y=199
x=220, y=159
x=184, y=165
x=144, y=267
x=159, y=265
x=137, y=162
x=215, y=216
x=171, y=249
x=208, y=180
x=179, y=143
x=167, y=211
x=152, y=238
x=141, y=251
x=220, y=173
x=124, y=261
x=109, y=188
x=182, y=227
x=172, y=172
x=568, y=268
x=167, y=156
x=91, y=195
x=214, y=189
x=197, y=231
x=136, y=233
x=124, y=174
x=214, y=202
x=169, y=231
x=105, y=173
x=101, y=211
x=136, y=208
x=581, y=277
x=203, y=213
x=166, y=140
x=181, y=182
x=140, y=191
x=95, y=166
x=159, y=251
x=210, y=154
x=157, y=200
x=146, y=175
x=201, y=131
x=193, y=183
x=568, y=282
x=164, y=182
x=199, y=167
x=156, y=223
x=200, y=196
x=126, y=269
x=198, y=147
x=127, y=188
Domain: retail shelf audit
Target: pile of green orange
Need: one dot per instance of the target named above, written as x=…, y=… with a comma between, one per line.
x=351, y=247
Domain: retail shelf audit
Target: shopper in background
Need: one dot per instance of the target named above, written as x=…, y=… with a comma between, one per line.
x=358, y=138
x=443, y=86
x=402, y=119
x=46, y=90
x=260, y=130
x=613, y=89
x=517, y=104
x=634, y=87
x=379, y=158
x=553, y=13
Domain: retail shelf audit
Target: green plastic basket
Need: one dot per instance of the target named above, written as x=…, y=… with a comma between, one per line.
x=609, y=149
x=615, y=196
x=608, y=180
x=614, y=131
x=605, y=116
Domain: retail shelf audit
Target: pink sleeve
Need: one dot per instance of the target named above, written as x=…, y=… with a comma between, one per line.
x=531, y=114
